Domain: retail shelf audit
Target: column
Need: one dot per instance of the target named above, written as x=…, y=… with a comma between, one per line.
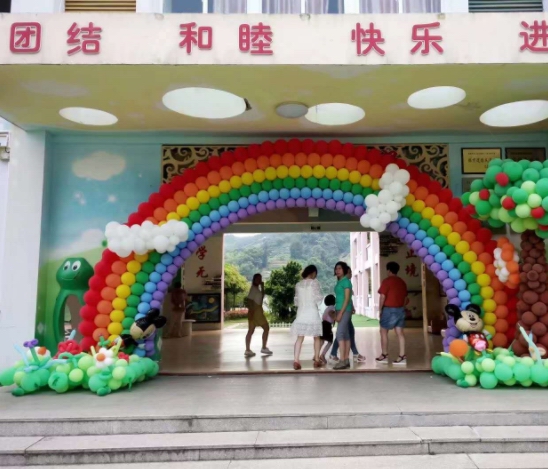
x=454, y=6
x=37, y=6
x=153, y=6
x=23, y=222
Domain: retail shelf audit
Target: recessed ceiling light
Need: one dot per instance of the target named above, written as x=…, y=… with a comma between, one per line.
x=204, y=103
x=88, y=116
x=516, y=113
x=292, y=110
x=335, y=114
x=436, y=97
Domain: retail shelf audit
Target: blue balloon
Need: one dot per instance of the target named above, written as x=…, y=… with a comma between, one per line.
x=197, y=228
x=464, y=295
x=143, y=308
x=205, y=221
x=150, y=287
x=412, y=228
x=454, y=274
x=295, y=193
x=317, y=192
x=460, y=285
x=433, y=250
x=166, y=259
x=223, y=211
x=327, y=194
x=440, y=257
x=284, y=194
x=263, y=197
x=427, y=242
x=140, y=316
x=306, y=192
x=348, y=197
x=243, y=202
x=182, y=245
x=448, y=265
x=146, y=297
x=233, y=206
x=420, y=235
x=160, y=268
x=358, y=200
x=253, y=200
x=191, y=235
x=175, y=252
x=404, y=222
x=338, y=195
x=155, y=277
x=465, y=305
x=140, y=352
x=214, y=215
x=274, y=194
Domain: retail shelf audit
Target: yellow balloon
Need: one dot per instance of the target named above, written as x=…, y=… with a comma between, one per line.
x=306, y=171
x=214, y=191
x=115, y=328
x=343, y=174
x=183, y=210
x=247, y=179
x=375, y=185
x=128, y=278
x=119, y=303
x=259, y=176
x=490, y=330
x=331, y=172
x=123, y=291
x=354, y=177
x=224, y=187
x=117, y=316
x=203, y=196
x=470, y=257
x=142, y=258
x=446, y=229
x=192, y=202
x=437, y=221
x=161, y=223
x=483, y=280
x=318, y=171
x=478, y=267
x=282, y=172
x=487, y=292
x=113, y=337
x=294, y=171
x=418, y=206
x=428, y=213
x=462, y=247
x=270, y=173
x=366, y=180
x=453, y=239
x=236, y=182
x=409, y=200
x=489, y=319
x=134, y=267
x=173, y=216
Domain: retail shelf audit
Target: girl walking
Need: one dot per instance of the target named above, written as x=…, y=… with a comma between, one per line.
x=343, y=305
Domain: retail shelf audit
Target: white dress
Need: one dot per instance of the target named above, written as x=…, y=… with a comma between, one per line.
x=307, y=298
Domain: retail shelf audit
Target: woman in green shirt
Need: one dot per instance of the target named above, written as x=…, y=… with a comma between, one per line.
x=343, y=306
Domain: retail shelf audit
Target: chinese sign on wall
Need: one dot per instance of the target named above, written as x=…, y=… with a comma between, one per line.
x=476, y=160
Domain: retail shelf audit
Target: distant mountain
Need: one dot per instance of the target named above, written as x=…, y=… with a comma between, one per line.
x=268, y=251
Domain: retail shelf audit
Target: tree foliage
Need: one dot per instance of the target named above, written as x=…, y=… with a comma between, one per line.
x=236, y=285
x=280, y=287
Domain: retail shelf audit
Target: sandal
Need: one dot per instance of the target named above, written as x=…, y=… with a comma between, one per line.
x=382, y=358
x=317, y=363
x=296, y=366
x=401, y=360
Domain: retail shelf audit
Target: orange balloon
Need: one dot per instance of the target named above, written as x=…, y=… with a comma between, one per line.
x=314, y=159
x=238, y=168
x=113, y=280
x=421, y=193
x=102, y=320
x=119, y=267
x=502, y=241
x=202, y=183
x=507, y=255
x=501, y=325
x=275, y=160
x=489, y=269
x=226, y=174
x=441, y=209
x=501, y=311
x=180, y=197
x=152, y=220
x=364, y=167
x=263, y=162
x=468, y=236
x=412, y=184
x=500, y=339
x=104, y=307
x=101, y=332
x=513, y=267
x=514, y=279
x=351, y=164
x=458, y=348
x=190, y=189
x=326, y=160
x=376, y=171
x=500, y=297
x=339, y=161
x=477, y=247
x=288, y=159
x=108, y=293
x=129, y=258
x=250, y=165
x=300, y=159
x=512, y=285
x=213, y=177
x=460, y=227
x=160, y=213
x=170, y=205
x=486, y=258
x=496, y=284
x=451, y=218
x=432, y=200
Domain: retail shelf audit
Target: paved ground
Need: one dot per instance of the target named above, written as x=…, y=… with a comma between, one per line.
x=277, y=395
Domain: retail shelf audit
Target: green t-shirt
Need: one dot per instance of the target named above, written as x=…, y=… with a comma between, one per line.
x=342, y=285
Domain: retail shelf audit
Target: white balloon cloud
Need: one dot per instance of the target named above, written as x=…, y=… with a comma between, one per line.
x=501, y=270
x=383, y=208
x=123, y=240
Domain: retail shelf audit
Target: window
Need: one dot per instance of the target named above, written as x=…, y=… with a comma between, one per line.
x=185, y=6
x=5, y=6
x=392, y=6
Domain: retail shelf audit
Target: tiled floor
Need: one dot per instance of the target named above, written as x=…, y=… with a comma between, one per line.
x=214, y=352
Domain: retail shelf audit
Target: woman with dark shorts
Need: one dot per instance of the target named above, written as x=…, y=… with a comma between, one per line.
x=343, y=305
x=328, y=319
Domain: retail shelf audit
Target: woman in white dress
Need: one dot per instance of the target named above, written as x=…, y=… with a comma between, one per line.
x=308, y=322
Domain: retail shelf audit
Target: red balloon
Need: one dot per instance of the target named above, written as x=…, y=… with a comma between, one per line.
x=474, y=225
x=227, y=158
x=135, y=219
x=401, y=164
x=483, y=235
x=178, y=183
x=434, y=187
x=374, y=156
x=97, y=283
x=387, y=159
x=167, y=191
x=360, y=153
x=280, y=146
x=445, y=196
x=254, y=151
x=146, y=209
x=214, y=163
x=109, y=257
x=86, y=328
x=156, y=200
x=102, y=268
x=490, y=246
x=267, y=148
x=464, y=215
x=347, y=150
x=335, y=147
x=321, y=147
x=502, y=179
x=294, y=146
x=423, y=180
x=92, y=297
x=88, y=312
x=455, y=205
x=308, y=146
x=86, y=343
x=201, y=169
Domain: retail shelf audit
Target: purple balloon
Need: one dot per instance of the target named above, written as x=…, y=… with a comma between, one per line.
x=416, y=245
x=208, y=233
x=178, y=261
x=301, y=202
x=172, y=269
x=447, y=284
x=215, y=226
x=452, y=293
x=393, y=228
x=435, y=267
x=224, y=222
x=429, y=260
x=158, y=295
x=242, y=213
x=311, y=202
x=442, y=275
x=320, y=203
x=291, y=203
x=252, y=210
x=402, y=232
x=185, y=253
x=261, y=207
x=192, y=246
x=422, y=252
x=330, y=204
x=452, y=331
x=149, y=346
x=167, y=277
x=349, y=208
x=409, y=238
x=453, y=301
x=232, y=217
x=340, y=206
x=155, y=304
x=359, y=211
x=280, y=203
x=162, y=286
x=199, y=239
x=270, y=205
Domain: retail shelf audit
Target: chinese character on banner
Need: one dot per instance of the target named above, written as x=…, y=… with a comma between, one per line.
x=411, y=270
x=410, y=254
x=201, y=272
x=421, y=35
x=201, y=252
x=367, y=39
x=256, y=39
x=536, y=38
x=86, y=39
x=201, y=37
x=25, y=38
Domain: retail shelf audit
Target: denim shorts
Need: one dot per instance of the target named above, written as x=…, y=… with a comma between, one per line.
x=392, y=317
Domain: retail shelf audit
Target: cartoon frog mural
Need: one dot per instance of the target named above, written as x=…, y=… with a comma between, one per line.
x=73, y=277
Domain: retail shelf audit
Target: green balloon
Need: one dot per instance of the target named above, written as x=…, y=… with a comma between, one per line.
x=542, y=186
x=204, y=209
x=214, y=204
x=346, y=186
x=127, y=323
x=527, y=361
x=464, y=267
x=441, y=241
x=449, y=250
x=137, y=288
x=244, y=190
x=488, y=365
x=114, y=384
x=509, y=360
x=454, y=372
x=513, y=170
x=76, y=376
x=456, y=258
x=278, y=184
x=415, y=218
x=465, y=198
x=530, y=224
x=474, y=289
x=521, y=372
x=474, y=198
x=500, y=190
x=188, y=222
x=527, y=383
x=146, y=268
x=477, y=300
x=483, y=208
x=59, y=382
x=534, y=201
x=133, y=300
x=234, y=194
x=518, y=226
x=289, y=183
x=504, y=216
x=324, y=184
x=43, y=377
x=467, y=368
x=542, y=234
x=495, y=162
x=432, y=232
x=256, y=188
x=477, y=185
x=366, y=191
x=536, y=165
x=406, y=211
x=488, y=380
x=539, y=374
x=195, y=216
x=531, y=175
x=154, y=257
x=520, y=196
x=510, y=382
x=130, y=312
x=224, y=199
x=524, y=164
x=544, y=173
x=495, y=222
x=267, y=185
x=6, y=377
x=300, y=182
x=523, y=211
x=471, y=380
x=494, y=201
x=437, y=365
x=356, y=189
x=425, y=224
x=312, y=182
x=335, y=185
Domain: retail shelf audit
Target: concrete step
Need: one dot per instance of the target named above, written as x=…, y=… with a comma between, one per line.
x=288, y=444
x=119, y=425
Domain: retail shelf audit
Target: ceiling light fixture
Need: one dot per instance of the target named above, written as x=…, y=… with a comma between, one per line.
x=516, y=113
x=205, y=103
x=292, y=110
x=335, y=114
x=436, y=97
x=88, y=116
